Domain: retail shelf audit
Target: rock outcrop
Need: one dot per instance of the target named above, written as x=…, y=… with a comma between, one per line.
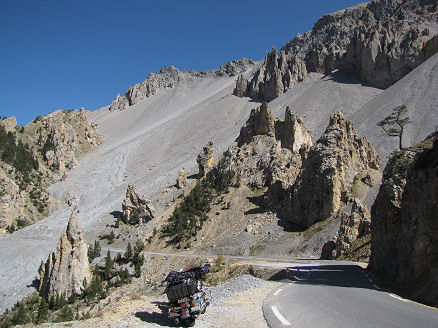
x=63, y=136
x=326, y=179
x=404, y=243
x=9, y=124
x=267, y=149
x=380, y=41
x=169, y=77
x=136, y=207
x=48, y=147
x=355, y=223
x=67, y=270
x=181, y=181
x=205, y=159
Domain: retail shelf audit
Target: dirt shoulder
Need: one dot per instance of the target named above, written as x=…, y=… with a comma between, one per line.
x=242, y=308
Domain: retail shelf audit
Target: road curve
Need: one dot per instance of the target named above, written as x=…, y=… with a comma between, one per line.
x=340, y=295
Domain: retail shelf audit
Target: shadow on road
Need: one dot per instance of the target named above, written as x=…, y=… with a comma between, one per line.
x=160, y=318
x=329, y=275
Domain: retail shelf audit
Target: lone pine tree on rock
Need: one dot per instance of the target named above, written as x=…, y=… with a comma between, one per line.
x=393, y=124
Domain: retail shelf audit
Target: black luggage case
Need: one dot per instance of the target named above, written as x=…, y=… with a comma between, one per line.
x=184, y=289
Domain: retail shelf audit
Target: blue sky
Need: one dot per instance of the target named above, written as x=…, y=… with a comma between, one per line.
x=63, y=54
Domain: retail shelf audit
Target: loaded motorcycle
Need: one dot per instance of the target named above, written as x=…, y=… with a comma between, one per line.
x=187, y=295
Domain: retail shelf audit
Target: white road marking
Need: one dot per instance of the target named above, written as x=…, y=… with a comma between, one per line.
x=277, y=292
x=398, y=297
x=279, y=316
x=376, y=287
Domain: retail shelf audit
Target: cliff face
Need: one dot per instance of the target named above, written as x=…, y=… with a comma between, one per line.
x=404, y=243
x=380, y=41
x=44, y=150
x=168, y=77
x=67, y=270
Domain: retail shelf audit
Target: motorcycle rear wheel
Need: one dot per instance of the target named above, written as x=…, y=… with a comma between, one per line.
x=188, y=322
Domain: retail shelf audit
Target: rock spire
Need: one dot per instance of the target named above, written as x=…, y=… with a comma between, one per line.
x=136, y=207
x=67, y=270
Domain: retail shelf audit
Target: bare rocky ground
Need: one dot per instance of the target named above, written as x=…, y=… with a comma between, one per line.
x=235, y=304
x=146, y=144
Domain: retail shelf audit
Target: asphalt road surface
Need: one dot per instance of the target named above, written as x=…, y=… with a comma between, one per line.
x=340, y=295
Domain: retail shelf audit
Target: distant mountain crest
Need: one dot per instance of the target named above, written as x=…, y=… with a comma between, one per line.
x=168, y=77
x=381, y=42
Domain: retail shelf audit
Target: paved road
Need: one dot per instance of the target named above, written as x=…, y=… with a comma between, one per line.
x=340, y=295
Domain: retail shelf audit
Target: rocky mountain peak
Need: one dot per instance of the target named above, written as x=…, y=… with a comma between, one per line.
x=169, y=77
x=67, y=270
x=380, y=41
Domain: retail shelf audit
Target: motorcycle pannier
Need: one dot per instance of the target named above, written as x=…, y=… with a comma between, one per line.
x=184, y=289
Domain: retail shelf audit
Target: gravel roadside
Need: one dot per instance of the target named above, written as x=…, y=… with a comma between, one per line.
x=237, y=303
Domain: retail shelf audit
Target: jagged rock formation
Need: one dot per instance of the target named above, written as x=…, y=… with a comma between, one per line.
x=380, y=41
x=205, y=159
x=136, y=207
x=404, y=243
x=169, y=77
x=67, y=270
x=64, y=135
x=267, y=149
x=325, y=183
x=181, y=181
x=55, y=141
x=241, y=86
x=355, y=223
x=9, y=124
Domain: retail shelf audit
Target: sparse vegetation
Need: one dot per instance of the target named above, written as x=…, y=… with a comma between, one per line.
x=18, y=155
x=218, y=262
x=94, y=251
x=399, y=162
x=190, y=215
x=394, y=124
x=109, y=237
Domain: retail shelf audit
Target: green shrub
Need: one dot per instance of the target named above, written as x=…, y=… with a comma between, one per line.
x=190, y=215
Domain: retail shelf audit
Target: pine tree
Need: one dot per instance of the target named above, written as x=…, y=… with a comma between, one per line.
x=394, y=124
x=128, y=253
x=43, y=311
x=137, y=269
x=139, y=246
x=108, y=271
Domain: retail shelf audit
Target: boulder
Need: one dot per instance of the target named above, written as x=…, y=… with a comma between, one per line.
x=136, y=207
x=67, y=270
